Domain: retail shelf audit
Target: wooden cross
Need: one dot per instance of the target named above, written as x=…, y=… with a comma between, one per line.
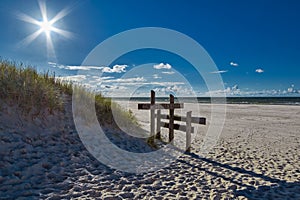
x=171, y=117
x=152, y=107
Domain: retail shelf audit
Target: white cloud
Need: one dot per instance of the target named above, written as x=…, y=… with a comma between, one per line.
x=235, y=87
x=115, y=69
x=168, y=72
x=155, y=76
x=259, y=70
x=177, y=89
x=151, y=83
x=234, y=64
x=102, y=77
x=162, y=66
x=79, y=67
x=76, y=78
x=229, y=91
x=219, y=72
x=76, y=67
x=293, y=90
x=86, y=80
x=126, y=80
x=52, y=63
x=166, y=83
x=235, y=91
x=94, y=81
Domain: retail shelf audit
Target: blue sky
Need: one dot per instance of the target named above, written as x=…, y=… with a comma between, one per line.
x=255, y=44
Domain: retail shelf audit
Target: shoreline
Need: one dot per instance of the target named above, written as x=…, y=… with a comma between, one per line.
x=183, y=100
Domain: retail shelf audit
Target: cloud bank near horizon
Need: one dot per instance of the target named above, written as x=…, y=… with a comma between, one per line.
x=117, y=85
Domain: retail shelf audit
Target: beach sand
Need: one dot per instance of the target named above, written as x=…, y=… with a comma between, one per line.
x=257, y=157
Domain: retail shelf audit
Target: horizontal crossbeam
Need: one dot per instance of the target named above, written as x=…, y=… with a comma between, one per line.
x=195, y=120
x=176, y=127
x=147, y=106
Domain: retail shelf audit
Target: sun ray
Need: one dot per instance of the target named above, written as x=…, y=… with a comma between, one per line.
x=60, y=15
x=45, y=26
x=27, y=18
x=26, y=41
x=43, y=9
x=64, y=33
x=50, y=48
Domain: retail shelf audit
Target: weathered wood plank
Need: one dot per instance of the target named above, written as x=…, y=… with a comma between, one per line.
x=176, y=126
x=152, y=115
x=199, y=120
x=188, y=131
x=147, y=106
x=195, y=120
x=171, y=120
x=158, y=122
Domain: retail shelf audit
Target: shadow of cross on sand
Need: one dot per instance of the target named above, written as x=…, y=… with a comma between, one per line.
x=279, y=189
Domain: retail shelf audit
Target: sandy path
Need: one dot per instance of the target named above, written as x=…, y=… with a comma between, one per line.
x=257, y=157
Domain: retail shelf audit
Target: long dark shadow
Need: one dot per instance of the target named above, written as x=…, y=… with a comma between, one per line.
x=217, y=175
x=236, y=169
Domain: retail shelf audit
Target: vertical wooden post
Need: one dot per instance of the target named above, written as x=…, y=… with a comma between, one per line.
x=152, y=116
x=171, y=121
x=158, y=128
x=188, y=131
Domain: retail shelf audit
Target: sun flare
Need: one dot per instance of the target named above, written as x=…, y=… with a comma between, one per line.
x=45, y=26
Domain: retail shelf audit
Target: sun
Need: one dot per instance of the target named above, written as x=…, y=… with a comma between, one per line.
x=45, y=26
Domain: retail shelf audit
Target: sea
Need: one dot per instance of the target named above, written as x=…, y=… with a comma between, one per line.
x=295, y=101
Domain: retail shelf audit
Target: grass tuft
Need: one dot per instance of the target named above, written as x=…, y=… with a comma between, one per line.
x=32, y=92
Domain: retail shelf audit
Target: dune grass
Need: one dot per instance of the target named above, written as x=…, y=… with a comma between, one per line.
x=32, y=92
x=24, y=87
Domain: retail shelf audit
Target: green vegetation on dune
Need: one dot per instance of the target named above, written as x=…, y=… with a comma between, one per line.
x=24, y=87
x=32, y=92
